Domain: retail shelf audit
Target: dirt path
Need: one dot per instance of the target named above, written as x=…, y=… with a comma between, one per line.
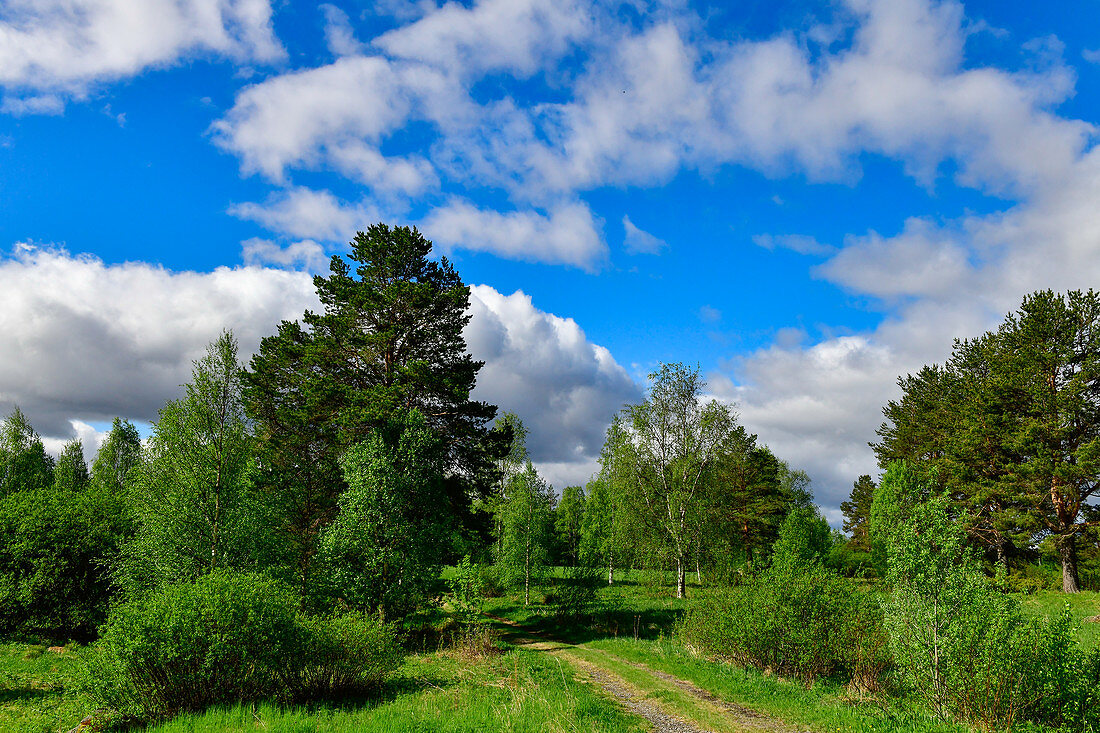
x=649, y=693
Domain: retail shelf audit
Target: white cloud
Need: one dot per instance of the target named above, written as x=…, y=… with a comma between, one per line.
x=520, y=36
x=90, y=440
x=310, y=214
x=336, y=116
x=88, y=341
x=85, y=341
x=306, y=254
x=51, y=49
x=567, y=234
x=636, y=241
x=709, y=314
x=800, y=243
x=542, y=367
x=339, y=35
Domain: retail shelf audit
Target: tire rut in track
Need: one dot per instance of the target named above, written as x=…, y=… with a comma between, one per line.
x=640, y=702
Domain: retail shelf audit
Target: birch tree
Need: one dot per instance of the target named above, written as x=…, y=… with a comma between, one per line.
x=189, y=492
x=663, y=449
x=526, y=521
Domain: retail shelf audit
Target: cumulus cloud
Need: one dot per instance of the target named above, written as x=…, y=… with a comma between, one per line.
x=85, y=341
x=567, y=234
x=819, y=406
x=543, y=367
x=647, y=101
x=636, y=241
x=519, y=36
x=88, y=341
x=53, y=49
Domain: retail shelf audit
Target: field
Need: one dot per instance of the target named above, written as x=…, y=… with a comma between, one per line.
x=630, y=674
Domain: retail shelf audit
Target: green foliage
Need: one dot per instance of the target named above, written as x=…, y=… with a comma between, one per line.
x=54, y=550
x=190, y=491
x=965, y=649
x=390, y=339
x=224, y=638
x=56, y=539
x=575, y=597
x=349, y=654
x=659, y=454
x=798, y=620
x=119, y=452
x=525, y=520
x=24, y=464
x=1010, y=426
x=568, y=522
x=384, y=551
x=899, y=491
x=804, y=539
x=71, y=472
x=468, y=585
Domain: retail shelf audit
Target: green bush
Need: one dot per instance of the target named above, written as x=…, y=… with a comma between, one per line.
x=966, y=649
x=575, y=596
x=343, y=655
x=225, y=638
x=796, y=620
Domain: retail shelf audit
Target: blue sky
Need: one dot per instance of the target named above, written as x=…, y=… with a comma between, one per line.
x=805, y=199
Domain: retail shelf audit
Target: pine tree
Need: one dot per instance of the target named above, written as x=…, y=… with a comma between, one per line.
x=857, y=511
x=389, y=340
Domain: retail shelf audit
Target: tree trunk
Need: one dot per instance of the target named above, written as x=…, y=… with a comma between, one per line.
x=1067, y=551
x=527, y=574
x=679, y=576
x=610, y=570
x=1002, y=556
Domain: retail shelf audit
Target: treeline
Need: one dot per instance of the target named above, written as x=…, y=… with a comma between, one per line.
x=1009, y=428
x=682, y=487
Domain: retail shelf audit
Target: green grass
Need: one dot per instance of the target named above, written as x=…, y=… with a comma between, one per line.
x=1081, y=606
x=518, y=691
x=822, y=706
x=36, y=693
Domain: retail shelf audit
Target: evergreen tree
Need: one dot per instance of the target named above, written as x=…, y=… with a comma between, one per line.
x=857, y=511
x=389, y=340
x=1010, y=427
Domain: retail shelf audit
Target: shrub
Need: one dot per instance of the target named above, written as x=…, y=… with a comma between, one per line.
x=225, y=638
x=344, y=655
x=966, y=649
x=796, y=620
x=575, y=596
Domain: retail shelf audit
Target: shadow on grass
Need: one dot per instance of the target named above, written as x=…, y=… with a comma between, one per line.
x=24, y=694
x=601, y=623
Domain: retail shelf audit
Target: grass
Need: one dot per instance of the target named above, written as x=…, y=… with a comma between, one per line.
x=519, y=691
x=1081, y=606
x=822, y=706
x=36, y=693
